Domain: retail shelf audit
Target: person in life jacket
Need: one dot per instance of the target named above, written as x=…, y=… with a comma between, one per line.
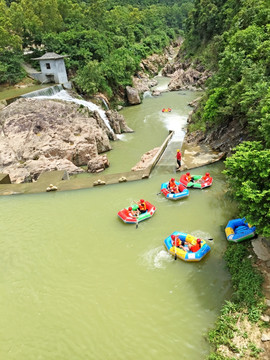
x=178, y=158
x=133, y=212
x=142, y=206
x=172, y=187
x=206, y=177
x=196, y=247
x=177, y=242
x=188, y=178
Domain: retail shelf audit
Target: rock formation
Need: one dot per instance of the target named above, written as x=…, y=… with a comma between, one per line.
x=41, y=135
x=146, y=160
x=133, y=96
x=117, y=122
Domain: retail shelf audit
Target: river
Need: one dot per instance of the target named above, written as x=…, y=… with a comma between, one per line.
x=77, y=283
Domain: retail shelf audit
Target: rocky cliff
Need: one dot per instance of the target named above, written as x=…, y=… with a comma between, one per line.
x=42, y=135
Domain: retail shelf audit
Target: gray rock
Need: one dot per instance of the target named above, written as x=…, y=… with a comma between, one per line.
x=265, y=337
x=133, y=95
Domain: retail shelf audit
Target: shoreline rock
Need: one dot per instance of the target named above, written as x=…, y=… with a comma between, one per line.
x=43, y=135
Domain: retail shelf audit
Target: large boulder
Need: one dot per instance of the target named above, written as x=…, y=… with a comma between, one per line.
x=133, y=95
x=117, y=122
x=98, y=164
x=39, y=135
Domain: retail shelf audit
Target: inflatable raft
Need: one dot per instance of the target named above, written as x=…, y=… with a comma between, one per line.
x=128, y=218
x=186, y=255
x=238, y=230
x=198, y=181
x=169, y=195
x=166, y=110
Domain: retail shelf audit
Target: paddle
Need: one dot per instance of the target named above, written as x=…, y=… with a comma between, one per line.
x=175, y=256
x=137, y=223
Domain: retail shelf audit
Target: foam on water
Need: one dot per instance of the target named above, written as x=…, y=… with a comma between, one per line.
x=156, y=258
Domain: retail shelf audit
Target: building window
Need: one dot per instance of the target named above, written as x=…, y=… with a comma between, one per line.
x=48, y=66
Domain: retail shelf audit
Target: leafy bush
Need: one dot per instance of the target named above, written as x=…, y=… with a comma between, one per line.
x=246, y=280
x=248, y=173
x=11, y=71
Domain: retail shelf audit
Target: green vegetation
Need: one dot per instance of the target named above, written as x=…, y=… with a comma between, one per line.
x=105, y=40
x=231, y=38
x=247, y=301
x=248, y=173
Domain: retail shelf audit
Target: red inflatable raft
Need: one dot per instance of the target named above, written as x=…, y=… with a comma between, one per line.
x=128, y=218
x=196, y=181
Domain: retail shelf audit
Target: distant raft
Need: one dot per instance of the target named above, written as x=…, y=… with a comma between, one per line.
x=187, y=255
x=196, y=181
x=173, y=196
x=238, y=230
x=126, y=215
x=166, y=110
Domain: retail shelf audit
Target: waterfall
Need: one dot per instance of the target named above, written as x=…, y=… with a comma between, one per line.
x=49, y=91
x=65, y=96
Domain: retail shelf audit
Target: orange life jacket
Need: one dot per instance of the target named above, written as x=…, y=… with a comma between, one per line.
x=142, y=206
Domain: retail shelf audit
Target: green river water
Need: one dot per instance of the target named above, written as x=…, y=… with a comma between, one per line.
x=77, y=283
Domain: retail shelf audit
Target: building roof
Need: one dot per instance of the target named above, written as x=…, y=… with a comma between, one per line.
x=50, y=56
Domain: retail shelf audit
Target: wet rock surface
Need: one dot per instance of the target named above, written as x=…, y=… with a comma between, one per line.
x=44, y=135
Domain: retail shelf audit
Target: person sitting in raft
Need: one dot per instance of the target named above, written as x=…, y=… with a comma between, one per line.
x=172, y=187
x=196, y=247
x=133, y=212
x=142, y=206
x=178, y=243
x=188, y=178
x=204, y=178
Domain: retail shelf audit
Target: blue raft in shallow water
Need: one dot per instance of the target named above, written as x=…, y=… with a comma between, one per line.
x=238, y=230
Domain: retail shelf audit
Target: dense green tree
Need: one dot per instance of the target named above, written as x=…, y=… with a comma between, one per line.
x=8, y=39
x=248, y=174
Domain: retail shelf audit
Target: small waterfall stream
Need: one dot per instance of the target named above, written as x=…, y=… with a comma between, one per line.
x=57, y=92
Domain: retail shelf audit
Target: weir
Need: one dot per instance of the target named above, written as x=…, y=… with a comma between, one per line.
x=49, y=91
x=63, y=182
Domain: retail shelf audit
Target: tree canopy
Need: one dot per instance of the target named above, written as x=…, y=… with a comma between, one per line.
x=108, y=37
x=232, y=39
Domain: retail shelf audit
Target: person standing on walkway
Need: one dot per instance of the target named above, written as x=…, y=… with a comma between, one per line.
x=178, y=158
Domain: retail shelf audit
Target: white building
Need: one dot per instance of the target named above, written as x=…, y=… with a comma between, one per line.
x=53, y=69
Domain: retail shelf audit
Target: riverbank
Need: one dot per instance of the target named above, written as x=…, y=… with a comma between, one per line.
x=243, y=328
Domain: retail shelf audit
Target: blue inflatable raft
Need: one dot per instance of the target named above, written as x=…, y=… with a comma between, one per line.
x=238, y=230
x=171, y=196
x=186, y=254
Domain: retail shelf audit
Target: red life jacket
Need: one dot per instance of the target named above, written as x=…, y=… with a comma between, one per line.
x=176, y=242
x=181, y=187
x=195, y=248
